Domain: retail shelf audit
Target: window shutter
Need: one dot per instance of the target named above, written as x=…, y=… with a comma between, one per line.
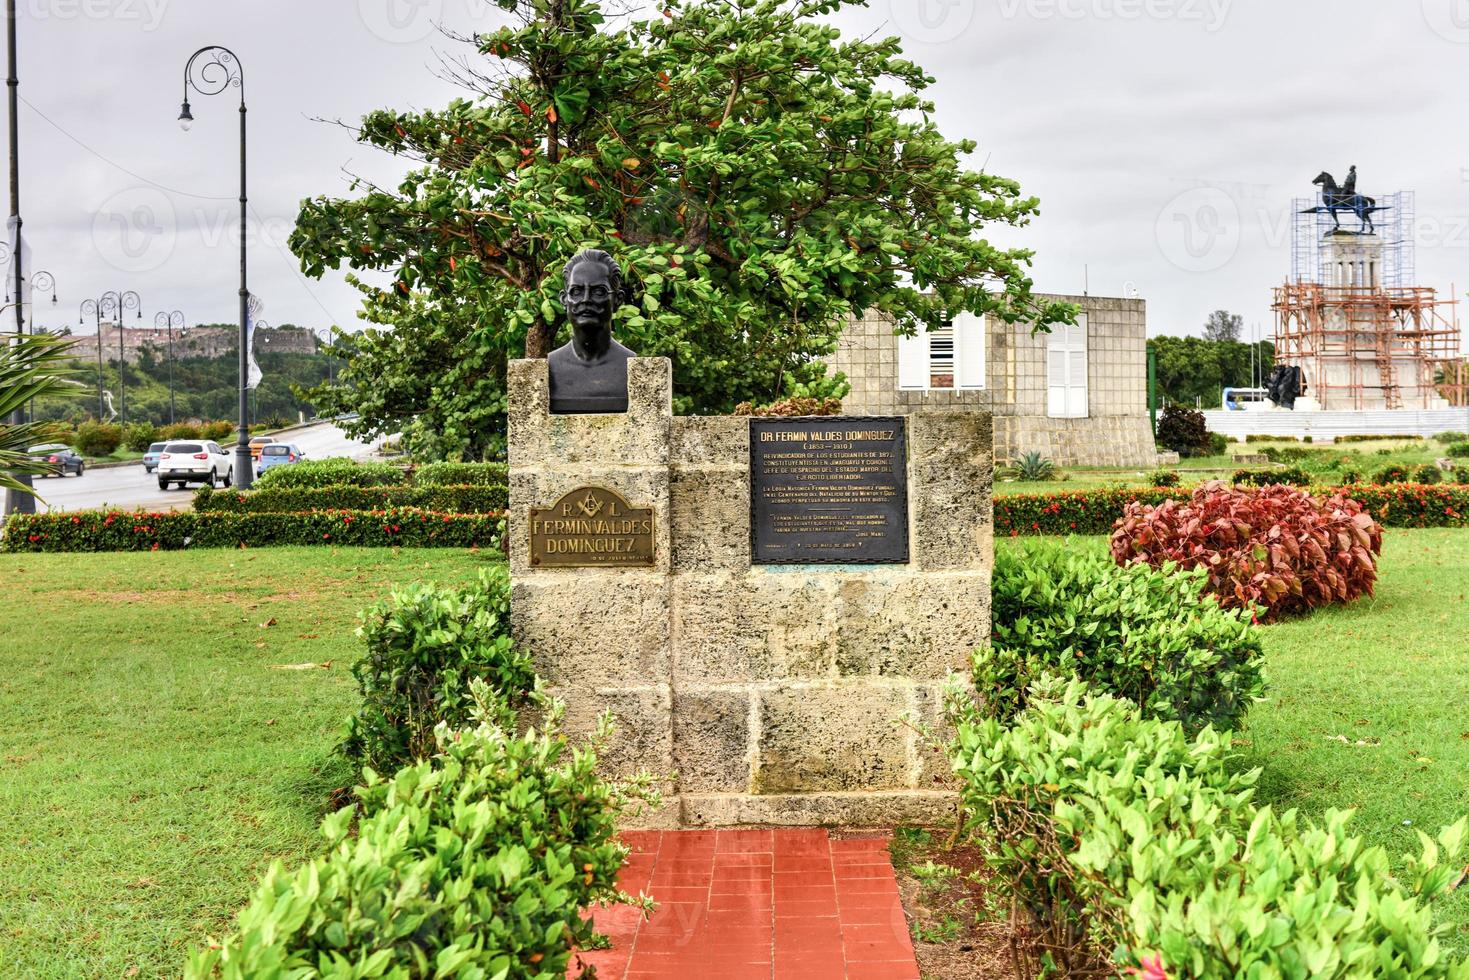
x=969, y=351
x=1076, y=402
x=1066, y=371
x=913, y=361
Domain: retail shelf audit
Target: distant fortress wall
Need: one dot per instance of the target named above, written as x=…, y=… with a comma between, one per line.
x=213, y=341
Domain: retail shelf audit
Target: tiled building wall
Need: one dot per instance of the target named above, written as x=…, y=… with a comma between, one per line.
x=1116, y=432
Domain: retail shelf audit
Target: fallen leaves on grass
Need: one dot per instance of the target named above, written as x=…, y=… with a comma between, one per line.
x=322, y=666
x=268, y=623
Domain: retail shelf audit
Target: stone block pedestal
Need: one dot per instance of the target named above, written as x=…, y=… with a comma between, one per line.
x=774, y=694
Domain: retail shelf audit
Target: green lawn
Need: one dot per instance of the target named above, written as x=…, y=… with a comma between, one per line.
x=1392, y=672
x=151, y=761
x=1364, y=457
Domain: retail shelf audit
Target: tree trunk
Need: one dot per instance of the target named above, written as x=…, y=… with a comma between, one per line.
x=539, y=338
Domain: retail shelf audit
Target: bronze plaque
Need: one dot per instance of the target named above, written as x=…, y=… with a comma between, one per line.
x=829, y=491
x=591, y=527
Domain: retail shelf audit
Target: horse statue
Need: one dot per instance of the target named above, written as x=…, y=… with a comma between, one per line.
x=1346, y=199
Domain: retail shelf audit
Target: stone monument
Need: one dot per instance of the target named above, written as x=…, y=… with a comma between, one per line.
x=760, y=602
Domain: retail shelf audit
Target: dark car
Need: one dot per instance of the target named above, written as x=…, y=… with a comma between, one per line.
x=61, y=459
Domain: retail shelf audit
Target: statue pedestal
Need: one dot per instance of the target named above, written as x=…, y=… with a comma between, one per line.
x=774, y=693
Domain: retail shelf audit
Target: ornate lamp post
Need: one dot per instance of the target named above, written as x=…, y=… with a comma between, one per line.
x=113, y=302
x=46, y=283
x=90, y=307
x=210, y=71
x=169, y=321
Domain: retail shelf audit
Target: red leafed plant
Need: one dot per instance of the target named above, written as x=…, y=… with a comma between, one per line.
x=1276, y=548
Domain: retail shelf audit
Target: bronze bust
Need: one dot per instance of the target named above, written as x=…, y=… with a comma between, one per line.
x=589, y=375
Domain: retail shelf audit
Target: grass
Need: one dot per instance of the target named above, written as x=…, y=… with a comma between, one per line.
x=1390, y=671
x=1325, y=461
x=152, y=765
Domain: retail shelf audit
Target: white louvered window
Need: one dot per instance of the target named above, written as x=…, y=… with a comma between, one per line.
x=948, y=357
x=1066, y=367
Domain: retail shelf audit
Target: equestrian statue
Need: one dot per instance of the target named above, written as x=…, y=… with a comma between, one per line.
x=1345, y=198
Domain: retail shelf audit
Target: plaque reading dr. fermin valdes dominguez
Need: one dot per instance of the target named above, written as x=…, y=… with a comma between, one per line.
x=591, y=527
x=829, y=491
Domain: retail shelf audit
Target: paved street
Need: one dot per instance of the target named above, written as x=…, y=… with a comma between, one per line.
x=129, y=487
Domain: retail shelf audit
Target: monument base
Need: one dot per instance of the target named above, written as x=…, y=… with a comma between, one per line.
x=769, y=694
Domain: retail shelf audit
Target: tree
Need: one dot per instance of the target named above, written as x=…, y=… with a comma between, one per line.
x=1192, y=370
x=1223, y=325
x=31, y=366
x=759, y=178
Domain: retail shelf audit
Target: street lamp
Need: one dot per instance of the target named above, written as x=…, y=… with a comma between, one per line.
x=210, y=71
x=169, y=321
x=46, y=283
x=94, y=308
x=113, y=302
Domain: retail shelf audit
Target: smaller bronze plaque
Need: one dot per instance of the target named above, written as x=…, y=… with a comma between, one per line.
x=591, y=527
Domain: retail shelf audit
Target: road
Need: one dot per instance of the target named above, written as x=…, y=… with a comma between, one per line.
x=129, y=487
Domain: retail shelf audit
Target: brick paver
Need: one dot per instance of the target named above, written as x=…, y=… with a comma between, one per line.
x=768, y=904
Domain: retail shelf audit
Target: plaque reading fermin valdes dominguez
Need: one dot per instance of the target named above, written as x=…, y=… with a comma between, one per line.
x=591, y=527
x=829, y=490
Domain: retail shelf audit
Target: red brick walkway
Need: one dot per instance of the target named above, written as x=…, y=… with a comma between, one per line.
x=772, y=904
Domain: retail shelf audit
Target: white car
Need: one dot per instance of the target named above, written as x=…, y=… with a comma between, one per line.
x=194, y=461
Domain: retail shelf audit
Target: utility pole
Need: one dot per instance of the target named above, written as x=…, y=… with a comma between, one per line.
x=16, y=502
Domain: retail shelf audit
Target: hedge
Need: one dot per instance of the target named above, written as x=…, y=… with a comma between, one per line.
x=116, y=530
x=1130, y=847
x=461, y=474
x=483, y=499
x=1095, y=511
x=332, y=473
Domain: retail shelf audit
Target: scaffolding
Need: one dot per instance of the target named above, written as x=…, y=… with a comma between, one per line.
x=1353, y=319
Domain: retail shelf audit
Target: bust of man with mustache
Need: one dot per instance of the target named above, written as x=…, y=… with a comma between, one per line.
x=589, y=375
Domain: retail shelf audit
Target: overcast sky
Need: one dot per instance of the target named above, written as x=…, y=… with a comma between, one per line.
x=1164, y=138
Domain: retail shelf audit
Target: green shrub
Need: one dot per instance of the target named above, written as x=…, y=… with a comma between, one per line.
x=179, y=430
x=1391, y=474
x=1385, y=451
x=289, y=500
x=1293, y=476
x=424, y=646
x=1164, y=478
x=1458, y=450
x=1447, y=438
x=1145, y=635
x=1378, y=438
x=476, y=864
x=1183, y=431
x=1218, y=444
x=1124, y=842
x=462, y=474
x=138, y=436
x=333, y=473
x=98, y=438
x=1349, y=476
x=1033, y=467
x=218, y=430
x=98, y=530
x=1427, y=474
